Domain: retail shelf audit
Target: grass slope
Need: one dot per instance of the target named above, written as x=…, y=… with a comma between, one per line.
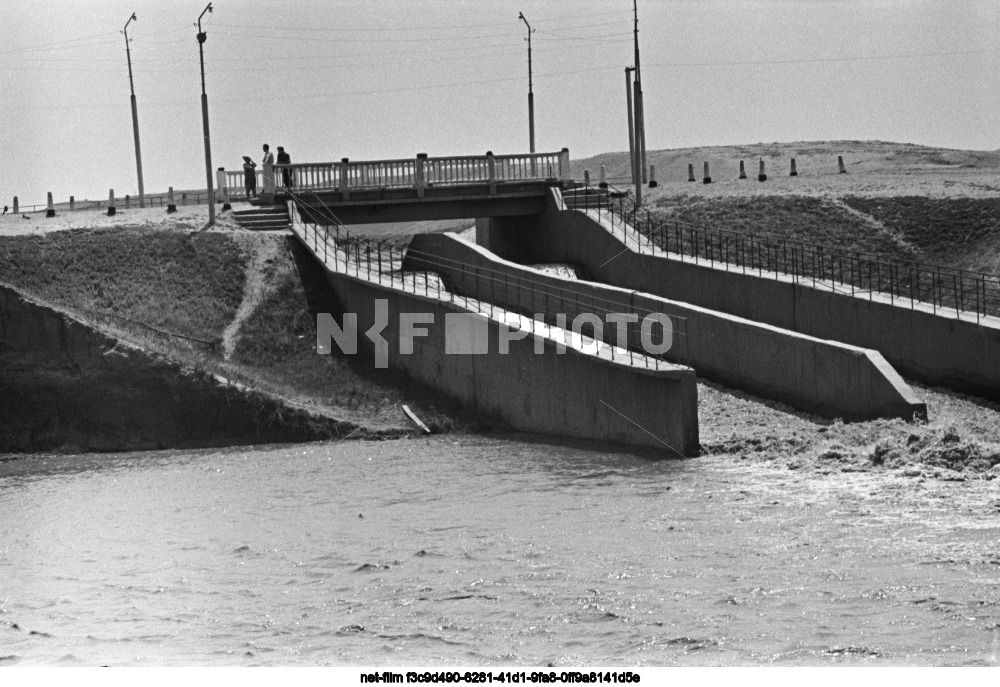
x=277, y=345
x=956, y=232
x=189, y=284
x=797, y=218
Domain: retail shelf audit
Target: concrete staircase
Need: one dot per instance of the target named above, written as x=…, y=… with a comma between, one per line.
x=264, y=218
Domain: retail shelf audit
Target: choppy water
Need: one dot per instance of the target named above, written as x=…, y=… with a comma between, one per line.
x=471, y=551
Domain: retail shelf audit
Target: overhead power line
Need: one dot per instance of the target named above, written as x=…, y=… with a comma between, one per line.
x=807, y=60
x=427, y=27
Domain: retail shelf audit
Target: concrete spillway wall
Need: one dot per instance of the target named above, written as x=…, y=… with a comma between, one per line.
x=532, y=386
x=932, y=348
x=824, y=377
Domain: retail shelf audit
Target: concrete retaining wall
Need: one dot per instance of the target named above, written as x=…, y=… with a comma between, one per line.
x=932, y=348
x=824, y=377
x=573, y=394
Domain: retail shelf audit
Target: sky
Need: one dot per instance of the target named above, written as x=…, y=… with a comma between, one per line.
x=387, y=79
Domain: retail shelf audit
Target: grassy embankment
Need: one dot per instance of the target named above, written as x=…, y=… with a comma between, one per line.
x=192, y=285
x=952, y=232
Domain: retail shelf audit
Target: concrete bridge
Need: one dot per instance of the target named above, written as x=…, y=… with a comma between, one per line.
x=406, y=190
x=800, y=339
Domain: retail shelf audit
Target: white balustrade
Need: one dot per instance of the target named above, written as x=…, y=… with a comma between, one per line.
x=435, y=171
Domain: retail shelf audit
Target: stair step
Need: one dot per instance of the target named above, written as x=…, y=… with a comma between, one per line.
x=269, y=220
x=275, y=215
x=283, y=221
x=263, y=215
x=266, y=227
x=266, y=210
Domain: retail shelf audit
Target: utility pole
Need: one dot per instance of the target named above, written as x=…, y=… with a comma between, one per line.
x=135, y=114
x=531, y=94
x=640, y=116
x=633, y=158
x=204, y=118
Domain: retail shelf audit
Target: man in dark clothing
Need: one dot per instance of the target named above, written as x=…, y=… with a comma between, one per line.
x=286, y=174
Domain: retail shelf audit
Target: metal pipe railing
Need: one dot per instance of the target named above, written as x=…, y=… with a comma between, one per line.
x=497, y=293
x=942, y=290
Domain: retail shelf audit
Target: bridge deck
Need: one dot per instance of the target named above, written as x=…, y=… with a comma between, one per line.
x=420, y=188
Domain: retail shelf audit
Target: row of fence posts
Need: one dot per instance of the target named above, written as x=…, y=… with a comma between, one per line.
x=603, y=183
x=707, y=177
x=761, y=174
x=112, y=209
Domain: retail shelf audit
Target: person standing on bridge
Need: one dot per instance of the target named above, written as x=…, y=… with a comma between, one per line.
x=267, y=165
x=250, y=176
x=286, y=174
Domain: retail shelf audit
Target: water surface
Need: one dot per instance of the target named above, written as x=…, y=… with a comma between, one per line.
x=481, y=551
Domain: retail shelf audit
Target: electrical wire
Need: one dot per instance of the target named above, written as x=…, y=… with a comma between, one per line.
x=806, y=60
x=49, y=46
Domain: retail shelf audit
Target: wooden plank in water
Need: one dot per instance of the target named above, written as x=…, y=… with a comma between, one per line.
x=416, y=420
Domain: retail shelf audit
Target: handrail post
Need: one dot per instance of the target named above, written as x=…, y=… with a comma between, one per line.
x=419, y=181
x=564, y=165
x=345, y=182
x=268, y=179
x=491, y=170
x=220, y=178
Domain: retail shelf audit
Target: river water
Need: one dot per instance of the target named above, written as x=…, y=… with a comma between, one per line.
x=483, y=551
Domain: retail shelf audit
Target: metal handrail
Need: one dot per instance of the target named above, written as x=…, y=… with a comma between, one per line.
x=933, y=287
x=346, y=252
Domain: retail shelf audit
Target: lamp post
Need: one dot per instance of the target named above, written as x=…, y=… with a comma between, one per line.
x=633, y=157
x=640, y=115
x=204, y=118
x=531, y=95
x=135, y=114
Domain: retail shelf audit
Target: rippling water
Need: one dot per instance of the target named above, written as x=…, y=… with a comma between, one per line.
x=472, y=551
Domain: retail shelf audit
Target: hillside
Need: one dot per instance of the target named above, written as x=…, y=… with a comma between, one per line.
x=874, y=168
x=900, y=201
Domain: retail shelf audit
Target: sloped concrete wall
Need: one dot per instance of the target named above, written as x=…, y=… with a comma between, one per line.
x=572, y=394
x=935, y=349
x=824, y=377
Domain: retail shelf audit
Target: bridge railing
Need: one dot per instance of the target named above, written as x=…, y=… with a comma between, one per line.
x=419, y=173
